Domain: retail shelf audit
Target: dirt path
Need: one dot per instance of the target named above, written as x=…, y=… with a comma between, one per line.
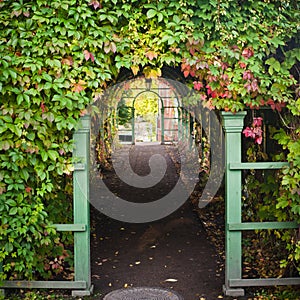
x=171, y=253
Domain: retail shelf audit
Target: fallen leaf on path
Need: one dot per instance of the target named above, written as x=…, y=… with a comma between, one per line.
x=171, y=280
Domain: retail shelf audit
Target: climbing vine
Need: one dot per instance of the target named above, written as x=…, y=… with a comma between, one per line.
x=57, y=56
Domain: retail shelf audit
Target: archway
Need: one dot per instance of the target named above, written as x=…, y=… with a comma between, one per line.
x=168, y=109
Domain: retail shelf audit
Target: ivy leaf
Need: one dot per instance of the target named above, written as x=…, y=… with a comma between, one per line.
x=160, y=17
x=151, y=13
x=151, y=55
x=47, y=77
x=88, y=55
x=135, y=69
x=44, y=155
x=13, y=211
x=53, y=155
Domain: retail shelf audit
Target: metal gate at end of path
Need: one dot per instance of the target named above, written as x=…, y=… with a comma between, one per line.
x=234, y=283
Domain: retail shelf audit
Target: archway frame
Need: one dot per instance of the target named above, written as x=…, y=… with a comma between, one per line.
x=183, y=118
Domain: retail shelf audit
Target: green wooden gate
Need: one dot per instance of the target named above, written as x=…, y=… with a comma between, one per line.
x=81, y=285
x=233, y=125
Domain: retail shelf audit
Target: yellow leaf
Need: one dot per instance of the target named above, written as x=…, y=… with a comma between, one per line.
x=152, y=72
x=135, y=69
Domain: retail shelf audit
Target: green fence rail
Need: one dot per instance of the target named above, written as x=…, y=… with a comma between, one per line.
x=234, y=283
x=81, y=285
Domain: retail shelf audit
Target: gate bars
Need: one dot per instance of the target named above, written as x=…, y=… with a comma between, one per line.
x=233, y=125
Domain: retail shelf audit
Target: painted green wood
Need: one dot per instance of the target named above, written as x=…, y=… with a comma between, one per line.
x=233, y=125
x=45, y=284
x=79, y=167
x=70, y=227
x=81, y=203
x=2, y=290
x=263, y=282
x=262, y=225
x=258, y=165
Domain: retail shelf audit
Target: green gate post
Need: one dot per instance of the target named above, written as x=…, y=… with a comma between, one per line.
x=2, y=291
x=81, y=206
x=162, y=126
x=233, y=125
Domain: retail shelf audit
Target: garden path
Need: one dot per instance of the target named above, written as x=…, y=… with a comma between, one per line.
x=172, y=253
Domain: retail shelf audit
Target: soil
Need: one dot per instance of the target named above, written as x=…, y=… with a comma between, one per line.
x=174, y=252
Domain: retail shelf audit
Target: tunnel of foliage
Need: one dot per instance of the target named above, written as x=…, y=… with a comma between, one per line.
x=57, y=56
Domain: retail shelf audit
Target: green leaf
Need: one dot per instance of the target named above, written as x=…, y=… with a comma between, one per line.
x=44, y=155
x=24, y=174
x=151, y=13
x=20, y=99
x=160, y=17
x=47, y=77
x=53, y=155
x=13, y=211
x=11, y=202
x=277, y=66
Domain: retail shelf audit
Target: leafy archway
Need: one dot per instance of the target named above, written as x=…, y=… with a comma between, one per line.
x=56, y=56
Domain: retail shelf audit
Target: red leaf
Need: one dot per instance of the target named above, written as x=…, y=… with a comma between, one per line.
x=43, y=107
x=151, y=55
x=92, y=57
x=198, y=85
x=247, y=53
x=257, y=121
x=78, y=87
x=28, y=189
x=67, y=61
x=95, y=4
x=242, y=65
x=86, y=55
x=214, y=94
x=248, y=132
x=258, y=140
x=186, y=73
